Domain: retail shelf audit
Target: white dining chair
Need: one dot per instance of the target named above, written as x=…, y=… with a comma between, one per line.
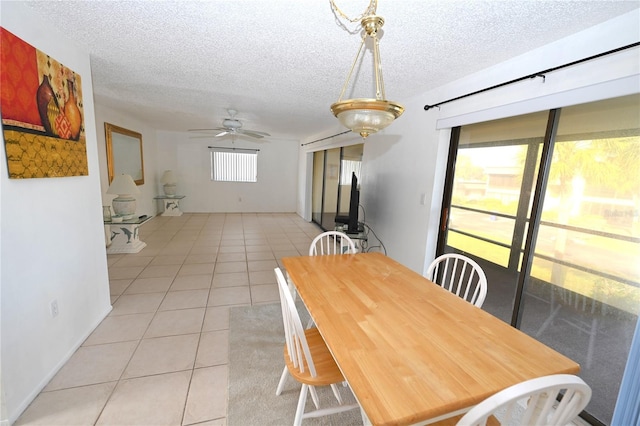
x=533, y=402
x=332, y=242
x=329, y=242
x=307, y=358
x=326, y=243
x=459, y=275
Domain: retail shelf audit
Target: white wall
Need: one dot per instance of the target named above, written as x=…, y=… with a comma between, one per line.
x=401, y=175
x=275, y=190
x=145, y=204
x=52, y=246
x=404, y=166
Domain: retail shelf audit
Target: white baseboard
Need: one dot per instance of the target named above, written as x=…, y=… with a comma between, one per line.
x=36, y=391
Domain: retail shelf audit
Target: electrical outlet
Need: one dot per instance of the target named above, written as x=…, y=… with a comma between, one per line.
x=54, y=308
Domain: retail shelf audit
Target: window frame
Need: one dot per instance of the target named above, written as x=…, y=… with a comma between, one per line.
x=236, y=165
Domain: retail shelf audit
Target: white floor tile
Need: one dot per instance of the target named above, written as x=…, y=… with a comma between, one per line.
x=161, y=356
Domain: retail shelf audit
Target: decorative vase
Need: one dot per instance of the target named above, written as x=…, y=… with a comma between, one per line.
x=72, y=112
x=106, y=213
x=47, y=101
x=125, y=206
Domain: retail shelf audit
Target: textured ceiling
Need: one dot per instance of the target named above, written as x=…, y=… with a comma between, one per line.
x=281, y=63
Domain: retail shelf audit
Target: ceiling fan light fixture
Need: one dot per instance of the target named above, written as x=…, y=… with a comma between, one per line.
x=231, y=123
x=232, y=126
x=367, y=115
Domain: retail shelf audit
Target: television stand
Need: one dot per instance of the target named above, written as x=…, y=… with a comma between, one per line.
x=342, y=224
x=341, y=219
x=359, y=238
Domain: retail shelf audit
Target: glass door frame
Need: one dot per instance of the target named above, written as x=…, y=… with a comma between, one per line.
x=528, y=217
x=521, y=220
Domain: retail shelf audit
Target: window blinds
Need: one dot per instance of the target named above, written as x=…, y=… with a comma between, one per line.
x=234, y=164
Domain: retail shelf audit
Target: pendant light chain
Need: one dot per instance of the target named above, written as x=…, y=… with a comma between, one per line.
x=370, y=10
x=365, y=115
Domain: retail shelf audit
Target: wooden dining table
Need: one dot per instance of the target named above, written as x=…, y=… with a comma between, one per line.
x=411, y=351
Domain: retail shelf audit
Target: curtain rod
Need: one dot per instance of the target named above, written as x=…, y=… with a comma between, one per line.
x=540, y=74
x=328, y=137
x=233, y=149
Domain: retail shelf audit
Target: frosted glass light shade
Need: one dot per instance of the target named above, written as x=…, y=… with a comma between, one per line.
x=366, y=116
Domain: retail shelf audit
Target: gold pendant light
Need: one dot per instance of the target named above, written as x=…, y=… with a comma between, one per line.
x=367, y=115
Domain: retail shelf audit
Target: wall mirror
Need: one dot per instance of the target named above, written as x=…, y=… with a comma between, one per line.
x=124, y=153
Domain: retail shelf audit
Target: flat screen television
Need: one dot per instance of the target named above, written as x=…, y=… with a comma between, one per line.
x=354, y=201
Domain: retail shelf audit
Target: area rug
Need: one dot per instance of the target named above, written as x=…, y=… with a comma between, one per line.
x=256, y=342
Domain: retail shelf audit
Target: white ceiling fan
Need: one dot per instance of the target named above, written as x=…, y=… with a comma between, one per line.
x=230, y=126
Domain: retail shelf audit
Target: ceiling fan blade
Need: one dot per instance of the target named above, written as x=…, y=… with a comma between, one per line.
x=254, y=133
x=257, y=132
x=214, y=129
x=231, y=126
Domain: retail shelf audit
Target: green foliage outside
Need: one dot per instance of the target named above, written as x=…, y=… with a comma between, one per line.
x=609, y=169
x=491, y=205
x=614, y=293
x=491, y=252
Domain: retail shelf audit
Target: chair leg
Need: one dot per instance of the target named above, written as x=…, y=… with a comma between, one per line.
x=314, y=394
x=365, y=418
x=283, y=378
x=336, y=392
x=297, y=421
x=310, y=323
x=314, y=397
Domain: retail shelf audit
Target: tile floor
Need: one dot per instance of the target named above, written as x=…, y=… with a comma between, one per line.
x=161, y=356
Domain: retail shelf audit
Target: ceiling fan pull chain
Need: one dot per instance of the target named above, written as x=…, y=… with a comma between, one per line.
x=370, y=10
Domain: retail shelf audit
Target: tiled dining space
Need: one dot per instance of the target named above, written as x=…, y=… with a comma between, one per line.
x=161, y=356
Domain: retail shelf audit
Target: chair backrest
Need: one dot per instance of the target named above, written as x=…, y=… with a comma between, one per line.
x=539, y=401
x=332, y=242
x=296, y=340
x=461, y=276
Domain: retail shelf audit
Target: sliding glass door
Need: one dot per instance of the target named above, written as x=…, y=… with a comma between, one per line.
x=571, y=179
x=331, y=184
x=317, y=185
x=495, y=167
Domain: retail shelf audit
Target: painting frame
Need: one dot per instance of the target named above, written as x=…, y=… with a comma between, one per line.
x=42, y=113
x=124, y=153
